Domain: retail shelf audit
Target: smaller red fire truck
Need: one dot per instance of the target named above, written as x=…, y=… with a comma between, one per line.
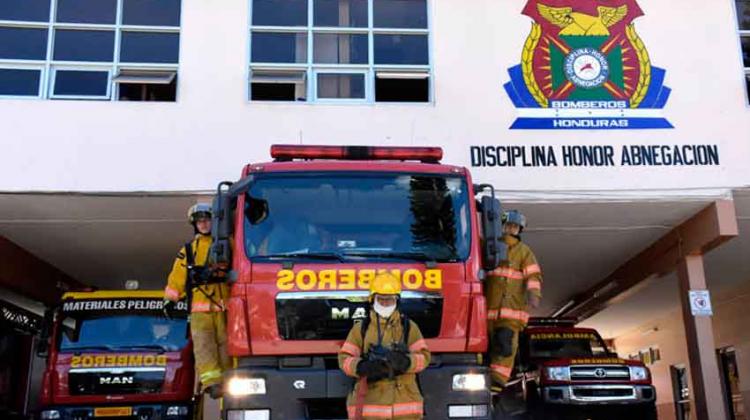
x=114, y=355
x=567, y=372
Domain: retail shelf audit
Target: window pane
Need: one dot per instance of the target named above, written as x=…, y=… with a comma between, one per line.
x=149, y=47
x=19, y=82
x=340, y=49
x=746, y=50
x=400, y=13
x=29, y=10
x=341, y=86
x=344, y=13
x=402, y=90
x=73, y=45
x=23, y=43
x=280, y=12
x=151, y=12
x=743, y=14
x=147, y=92
x=401, y=49
x=81, y=83
x=271, y=47
x=86, y=11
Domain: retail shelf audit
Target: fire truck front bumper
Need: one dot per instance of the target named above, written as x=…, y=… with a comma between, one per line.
x=166, y=411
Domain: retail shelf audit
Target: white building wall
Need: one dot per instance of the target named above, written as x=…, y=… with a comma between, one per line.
x=213, y=130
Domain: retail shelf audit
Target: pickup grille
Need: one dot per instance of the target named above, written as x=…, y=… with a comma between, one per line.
x=329, y=315
x=599, y=373
x=100, y=381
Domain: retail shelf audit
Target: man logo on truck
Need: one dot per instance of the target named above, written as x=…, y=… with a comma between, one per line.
x=343, y=313
x=116, y=380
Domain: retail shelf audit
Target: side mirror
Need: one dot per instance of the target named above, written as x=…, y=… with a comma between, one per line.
x=42, y=346
x=494, y=250
x=221, y=227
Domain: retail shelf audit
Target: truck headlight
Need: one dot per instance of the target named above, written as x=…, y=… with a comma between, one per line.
x=240, y=387
x=177, y=410
x=50, y=414
x=638, y=373
x=558, y=373
x=469, y=382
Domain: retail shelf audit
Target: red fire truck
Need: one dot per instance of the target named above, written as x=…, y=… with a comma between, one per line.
x=309, y=231
x=113, y=354
x=567, y=372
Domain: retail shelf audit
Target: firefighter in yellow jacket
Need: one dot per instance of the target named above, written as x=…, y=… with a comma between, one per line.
x=510, y=290
x=384, y=352
x=206, y=297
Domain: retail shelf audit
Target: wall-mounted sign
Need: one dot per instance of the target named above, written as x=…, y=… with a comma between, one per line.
x=584, y=66
x=700, y=303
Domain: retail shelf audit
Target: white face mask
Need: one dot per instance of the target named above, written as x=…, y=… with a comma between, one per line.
x=384, y=311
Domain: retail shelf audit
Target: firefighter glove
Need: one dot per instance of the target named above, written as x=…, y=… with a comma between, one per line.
x=167, y=308
x=502, y=342
x=373, y=370
x=399, y=359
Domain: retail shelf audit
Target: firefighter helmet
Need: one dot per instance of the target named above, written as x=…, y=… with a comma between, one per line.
x=199, y=211
x=515, y=217
x=385, y=284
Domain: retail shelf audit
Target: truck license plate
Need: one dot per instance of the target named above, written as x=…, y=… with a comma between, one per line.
x=113, y=411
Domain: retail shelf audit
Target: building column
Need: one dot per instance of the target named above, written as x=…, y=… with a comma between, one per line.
x=704, y=370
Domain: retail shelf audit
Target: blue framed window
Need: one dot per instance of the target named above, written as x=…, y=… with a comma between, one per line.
x=81, y=83
x=23, y=43
x=87, y=11
x=90, y=49
x=20, y=82
x=340, y=51
x=25, y=10
x=149, y=47
x=78, y=45
x=151, y=12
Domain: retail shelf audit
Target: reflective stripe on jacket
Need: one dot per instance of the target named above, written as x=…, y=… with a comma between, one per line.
x=175, y=289
x=397, y=398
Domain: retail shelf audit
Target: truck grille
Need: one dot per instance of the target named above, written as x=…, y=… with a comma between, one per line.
x=99, y=381
x=329, y=315
x=588, y=393
x=599, y=373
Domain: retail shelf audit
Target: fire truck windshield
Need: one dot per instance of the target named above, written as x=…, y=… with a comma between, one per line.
x=124, y=332
x=357, y=215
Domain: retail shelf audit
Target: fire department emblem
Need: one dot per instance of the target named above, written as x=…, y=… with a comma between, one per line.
x=584, y=66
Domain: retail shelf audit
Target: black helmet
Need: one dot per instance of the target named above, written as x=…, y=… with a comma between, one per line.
x=199, y=211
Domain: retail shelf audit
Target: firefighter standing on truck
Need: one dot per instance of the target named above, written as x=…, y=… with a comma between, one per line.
x=206, y=294
x=384, y=352
x=510, y=290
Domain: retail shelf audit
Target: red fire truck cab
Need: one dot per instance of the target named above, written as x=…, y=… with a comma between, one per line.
x=309, y=230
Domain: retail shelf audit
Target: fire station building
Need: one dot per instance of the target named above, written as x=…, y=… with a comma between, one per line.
x=620, y=128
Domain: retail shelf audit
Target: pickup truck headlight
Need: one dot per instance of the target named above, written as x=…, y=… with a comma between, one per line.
x=558, y=373
x=240, y=387
x=469, y=382
x=50, y=414
x=638, y=373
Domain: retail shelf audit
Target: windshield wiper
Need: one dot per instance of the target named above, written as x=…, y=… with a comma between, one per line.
x=410, y=255
x=158, y=347
x=104, y=347
x=310, y=255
